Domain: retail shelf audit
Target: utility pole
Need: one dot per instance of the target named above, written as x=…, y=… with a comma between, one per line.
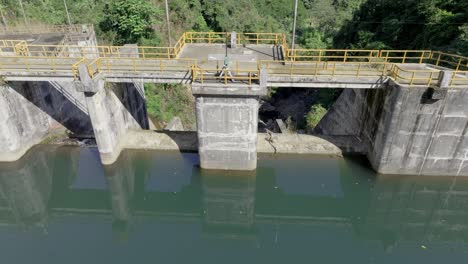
x=24, y=13
x=66, y=10
x=294, y=26
x=168, y=25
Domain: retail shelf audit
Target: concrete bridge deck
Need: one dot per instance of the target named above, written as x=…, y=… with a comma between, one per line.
x=198, y=58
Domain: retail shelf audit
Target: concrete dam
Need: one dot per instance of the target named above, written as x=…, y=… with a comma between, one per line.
x=406, y=110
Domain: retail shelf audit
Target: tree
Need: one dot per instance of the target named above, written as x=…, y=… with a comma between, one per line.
x=131, y=20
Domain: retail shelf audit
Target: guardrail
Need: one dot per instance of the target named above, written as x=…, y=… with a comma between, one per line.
x=40, y=65
x=451, y=61
x=203, y=75
x=315, y=62
x=459, y=78
x=325, y=69
x=414, y=77
x=242, y=38
x=138, y=65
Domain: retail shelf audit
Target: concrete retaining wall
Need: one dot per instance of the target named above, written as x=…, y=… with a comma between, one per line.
x=404, y=131
x=30, y=110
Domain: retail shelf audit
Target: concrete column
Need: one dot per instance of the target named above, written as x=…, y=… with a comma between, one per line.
x=108, y=131
x=227, y=121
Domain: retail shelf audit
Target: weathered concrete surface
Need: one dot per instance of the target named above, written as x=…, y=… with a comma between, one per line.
x=113, y=110
x=266, y=143
x=405, y=131
x=227, y=132
x=168, y=140
x=416, y=135
x=296, y=144
x=30, y=110
x=345, y=117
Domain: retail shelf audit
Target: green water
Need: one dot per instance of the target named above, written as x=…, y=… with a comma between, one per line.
x=59, y=205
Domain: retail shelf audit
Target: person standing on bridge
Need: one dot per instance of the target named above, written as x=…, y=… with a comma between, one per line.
x=225, y=71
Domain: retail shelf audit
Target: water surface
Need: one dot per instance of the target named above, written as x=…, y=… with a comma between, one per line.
x=59, y=205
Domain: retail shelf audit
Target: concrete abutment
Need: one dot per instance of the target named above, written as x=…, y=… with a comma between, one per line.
x=410, y=130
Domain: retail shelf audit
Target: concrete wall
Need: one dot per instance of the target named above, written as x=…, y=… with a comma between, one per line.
x=227, y=132
x=416, y=135
x=404, y=131
x=30, y=110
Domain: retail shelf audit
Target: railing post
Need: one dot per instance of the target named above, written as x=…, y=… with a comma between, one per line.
x=458, y=65
x=225, y=76
x=412, y=78
x=404, y=56
x=438, y=59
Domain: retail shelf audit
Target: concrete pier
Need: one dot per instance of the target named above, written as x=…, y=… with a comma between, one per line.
x=227, y=123
x=113, y=109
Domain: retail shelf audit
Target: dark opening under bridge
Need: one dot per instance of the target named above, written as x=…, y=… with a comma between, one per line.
x=227, y=106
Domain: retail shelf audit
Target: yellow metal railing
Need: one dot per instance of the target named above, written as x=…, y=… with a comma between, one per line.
x=332, y=55
x=459, y=78
x=405, y=56
x=203, y=75
x=451, y=61
x=138, y=65
x=315, y=62
x=242, y=38
x=414, y=77
x=325, y=69
x=40, y=65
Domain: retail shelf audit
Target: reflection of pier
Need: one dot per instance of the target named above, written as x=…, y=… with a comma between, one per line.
x=394, y=211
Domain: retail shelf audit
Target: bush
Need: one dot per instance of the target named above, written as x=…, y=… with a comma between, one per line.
x=317, y=112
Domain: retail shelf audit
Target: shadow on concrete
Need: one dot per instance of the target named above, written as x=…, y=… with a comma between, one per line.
x=132, y=96
x=260, y=52
x=187, y=141
x=55, y=99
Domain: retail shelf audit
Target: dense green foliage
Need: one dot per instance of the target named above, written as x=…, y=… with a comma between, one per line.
x=408, y=24
x=164, y=102
x=398, y=24
x=131, y=20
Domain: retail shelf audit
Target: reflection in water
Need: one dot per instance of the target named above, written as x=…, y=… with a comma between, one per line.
x=291, y=207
